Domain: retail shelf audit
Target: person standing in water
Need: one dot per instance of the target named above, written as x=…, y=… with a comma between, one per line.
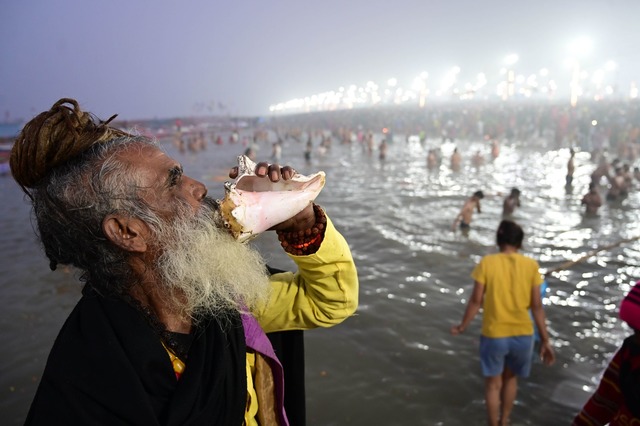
x=276, y=153
x=477, y=160
x=495, y=149
x=592, y=200
x=383, y=149
x=308, y=151
x=432, y=159
x=456, y=160
x=571, y=167
x=506, y=286
x=251, y=153
x=511, y=202
x=466, y=213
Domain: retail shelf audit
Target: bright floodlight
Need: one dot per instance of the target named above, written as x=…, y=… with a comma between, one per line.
x=598, y=77
x=392, y=82
x=418, y=84
x=581, y=46
x=511, y=59
x=610, y=66
x=449, y=80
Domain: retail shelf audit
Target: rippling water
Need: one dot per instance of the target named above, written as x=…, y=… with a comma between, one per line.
x=395, y=363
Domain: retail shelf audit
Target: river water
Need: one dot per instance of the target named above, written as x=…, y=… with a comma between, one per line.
x=394, y=363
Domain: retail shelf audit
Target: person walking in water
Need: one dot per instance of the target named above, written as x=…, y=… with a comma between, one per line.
x=506, y=286
x=466, y=213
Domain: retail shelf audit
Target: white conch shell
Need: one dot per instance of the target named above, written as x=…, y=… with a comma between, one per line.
x=254, y=204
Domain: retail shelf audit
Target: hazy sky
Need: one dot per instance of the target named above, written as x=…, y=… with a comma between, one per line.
x=161, y=58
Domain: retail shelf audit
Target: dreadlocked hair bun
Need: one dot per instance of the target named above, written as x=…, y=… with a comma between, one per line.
x=54, y=137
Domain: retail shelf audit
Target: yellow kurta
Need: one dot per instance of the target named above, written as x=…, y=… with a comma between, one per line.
x=322, y=293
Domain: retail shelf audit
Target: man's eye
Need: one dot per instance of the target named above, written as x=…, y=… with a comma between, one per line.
x=174, y=176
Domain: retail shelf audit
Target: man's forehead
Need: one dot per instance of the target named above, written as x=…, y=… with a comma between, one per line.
x=148, y=156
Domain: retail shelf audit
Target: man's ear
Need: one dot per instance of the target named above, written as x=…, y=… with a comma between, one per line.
x=126, y=232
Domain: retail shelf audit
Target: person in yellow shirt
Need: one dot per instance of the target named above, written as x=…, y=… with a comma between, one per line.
x=506, y=286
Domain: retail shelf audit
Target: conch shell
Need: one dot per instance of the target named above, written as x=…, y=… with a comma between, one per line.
x=253, y=204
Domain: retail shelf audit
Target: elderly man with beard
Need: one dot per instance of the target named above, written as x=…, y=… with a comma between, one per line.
x=170, y=329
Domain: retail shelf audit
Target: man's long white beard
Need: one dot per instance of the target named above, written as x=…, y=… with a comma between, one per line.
x=206, y=271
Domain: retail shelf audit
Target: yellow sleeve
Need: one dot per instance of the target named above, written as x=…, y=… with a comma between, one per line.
x=323, y=293
x=478, y=272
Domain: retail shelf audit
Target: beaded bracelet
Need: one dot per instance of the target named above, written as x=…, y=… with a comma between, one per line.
x=305, y=241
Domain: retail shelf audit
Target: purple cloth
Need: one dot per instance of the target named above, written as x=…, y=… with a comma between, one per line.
x=257, y=340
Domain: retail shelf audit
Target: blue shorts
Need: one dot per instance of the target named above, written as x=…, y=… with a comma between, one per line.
x=512, y=352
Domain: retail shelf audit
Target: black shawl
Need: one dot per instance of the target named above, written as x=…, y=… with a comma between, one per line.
x=109, y=367
x=630, y=374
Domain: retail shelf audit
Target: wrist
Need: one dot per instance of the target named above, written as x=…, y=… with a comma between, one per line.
x=305, y=241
